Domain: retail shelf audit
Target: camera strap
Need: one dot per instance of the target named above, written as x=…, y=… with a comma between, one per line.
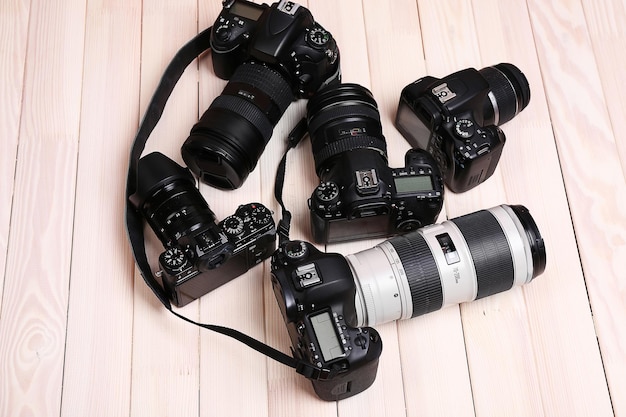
x=135, y=223
x=294, y=137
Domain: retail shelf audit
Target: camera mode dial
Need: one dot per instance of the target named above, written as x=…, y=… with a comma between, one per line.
x=327, y=192
x=317, y=37
x=295, y=249
x=464, y=128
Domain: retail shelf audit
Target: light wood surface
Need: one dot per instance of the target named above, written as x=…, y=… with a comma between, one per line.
x=82, y=335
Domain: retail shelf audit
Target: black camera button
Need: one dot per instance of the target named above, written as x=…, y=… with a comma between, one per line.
x=361, y=341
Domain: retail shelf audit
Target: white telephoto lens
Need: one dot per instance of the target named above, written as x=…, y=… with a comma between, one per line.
x=459, y=260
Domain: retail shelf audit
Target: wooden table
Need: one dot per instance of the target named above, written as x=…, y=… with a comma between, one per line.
x=82, y=335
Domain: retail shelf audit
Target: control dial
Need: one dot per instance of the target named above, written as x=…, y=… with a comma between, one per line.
x=261, y=215
x=233, y=225
x=174, y=259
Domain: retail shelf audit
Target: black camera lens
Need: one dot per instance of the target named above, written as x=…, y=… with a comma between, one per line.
x=509, y=93
x=168, y=199
x=228, y=140
x=343, y=118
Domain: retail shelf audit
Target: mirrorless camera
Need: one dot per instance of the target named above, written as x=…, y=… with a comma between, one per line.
x=458, y=260
x=456, y=119
x=317, y=310
x=200, y=255
x=271, y=55
x=359, y=195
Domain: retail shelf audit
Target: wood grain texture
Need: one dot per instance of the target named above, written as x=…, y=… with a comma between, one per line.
x=165, y=360
x=13, y=41
x=34, y=307
x=598, y=201
x=100, y=319
x=80, y=332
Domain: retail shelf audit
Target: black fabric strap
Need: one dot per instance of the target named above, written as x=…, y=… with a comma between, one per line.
x=134, y=221
x=295, y=136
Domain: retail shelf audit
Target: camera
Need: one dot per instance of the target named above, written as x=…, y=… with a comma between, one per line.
x=317, y=310
x=199, y=255
x=271, y=55
x=359, y=195
x=456, y=119
x=458, y=260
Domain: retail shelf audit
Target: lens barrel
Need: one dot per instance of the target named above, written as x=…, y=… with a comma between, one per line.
x=228, y=140
x=168, y=199
x=509, y=93
x=459, y=260
x=343, y=118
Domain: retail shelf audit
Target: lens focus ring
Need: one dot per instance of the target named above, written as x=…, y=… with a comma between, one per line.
x=490, y=252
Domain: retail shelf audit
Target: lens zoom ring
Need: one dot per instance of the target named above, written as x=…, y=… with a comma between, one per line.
x=490, y=251
x=348, y=144
x=267, y=80
x=343, y=111
x=503, y=91
x=248, y=111
x=421, y=272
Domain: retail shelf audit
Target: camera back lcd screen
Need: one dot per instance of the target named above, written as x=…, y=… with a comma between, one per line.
x=324, y=329
x=414, y=130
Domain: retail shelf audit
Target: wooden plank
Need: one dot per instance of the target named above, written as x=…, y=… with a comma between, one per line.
x=165, y=372
x=238, y=304
x=101, y=311
x=345, y=20
x=451, y=44
x=13, y=41
x=608, y=39
x=584, y=136
x=517, y=358
x=288, y=392
x=434, y=368
x=34, y=309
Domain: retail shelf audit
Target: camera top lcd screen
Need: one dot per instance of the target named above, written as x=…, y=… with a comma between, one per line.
x=324, y=328
x=413, y=184
x=247, y=11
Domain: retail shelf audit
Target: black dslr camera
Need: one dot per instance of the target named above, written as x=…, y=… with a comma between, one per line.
x=271, y=55
x=359, y=196
x=456, y=119
x=317, y=310
x=200, y=255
